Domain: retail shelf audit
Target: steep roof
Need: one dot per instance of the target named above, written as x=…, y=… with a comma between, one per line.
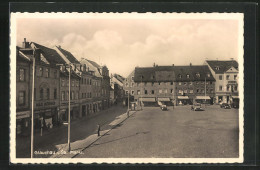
x=68, y=55
x=119, y=77
x=94, y=63
x=173, y=73
x=50, y=54
x=220, y=67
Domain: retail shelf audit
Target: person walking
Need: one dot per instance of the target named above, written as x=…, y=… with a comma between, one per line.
x=98, y=130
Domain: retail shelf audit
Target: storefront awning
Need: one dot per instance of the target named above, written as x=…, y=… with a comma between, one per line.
x=164, y=99
x=23, y=114
x=203, y=97
x=150, y=99
x=183, y=97
x=235, y=97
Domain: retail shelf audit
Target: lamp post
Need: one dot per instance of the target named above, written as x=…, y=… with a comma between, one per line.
x=128, y=105
x=141, y=92
x=32, y=124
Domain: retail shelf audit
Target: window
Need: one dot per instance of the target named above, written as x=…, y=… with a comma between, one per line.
x=152, y=83
x=220, y=77
x=211, y=91
x=55, y=74
x=198, y=75
x=217, y=68
x=197, y=82
x=21, y=74
x=220, y=88
x=21, y=98
x=235, y=88
x=207, y=82
x=145, y=91
x=63, y=95
x=180, y=91
x=190, y=83
x=202, y=91
x=188, y=76
x=208, y=75
x=41, y=93
x=126, y=84
x=184, y=83
x=160, y=91
x=171, y=90
x=159, y=83
x=62, y=82
x=210, y=82
x=126, y=92
x=77, y=83
x=132, y=78
x=138, y=91
x=191, y=91
x=72, y=95
x=145, y=83
x=67, y=96
x=47, y=72
x=235, y=77
x=180, y=83
x=228, y=88
x=180, y=76
x=55, y=94
x=165, y=91
x=133, y=84
x=227, y=77
x=185, y=91
x=47, y=93
x=198, y=90
x=40, y=71
x=77, y=95
x=171, y=83
x=152, y=91
x=90, y=82
x=132, y=92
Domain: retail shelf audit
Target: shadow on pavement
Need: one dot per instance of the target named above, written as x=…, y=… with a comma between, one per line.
x=138, y=133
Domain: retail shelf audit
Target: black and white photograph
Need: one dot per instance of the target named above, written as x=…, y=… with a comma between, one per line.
x=126, y=88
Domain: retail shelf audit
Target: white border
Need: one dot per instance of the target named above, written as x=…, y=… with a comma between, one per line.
x=226, y=16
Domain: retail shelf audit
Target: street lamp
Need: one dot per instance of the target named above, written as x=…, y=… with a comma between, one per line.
x=141, y=93
x=32, y=124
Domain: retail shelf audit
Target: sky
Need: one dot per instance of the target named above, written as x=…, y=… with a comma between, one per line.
x=124, y=43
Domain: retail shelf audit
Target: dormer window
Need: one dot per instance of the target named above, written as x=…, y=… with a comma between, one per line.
x=188, y=76
x=208, y=75
x=217, y=67
x=180, y=76
x=198, y=75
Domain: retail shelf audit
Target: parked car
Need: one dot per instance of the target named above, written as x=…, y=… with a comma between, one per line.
x=196, y=107
x=163, y=107
x=225, y=106
x=235, y=105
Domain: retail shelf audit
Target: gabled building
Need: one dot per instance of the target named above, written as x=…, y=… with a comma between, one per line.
x=117, y=82
x=226, y=75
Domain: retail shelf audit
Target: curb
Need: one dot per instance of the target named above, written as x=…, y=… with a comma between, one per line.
x=106, y=131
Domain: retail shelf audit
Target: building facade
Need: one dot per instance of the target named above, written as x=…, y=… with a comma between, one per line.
x=117, y=82
x=226, y=75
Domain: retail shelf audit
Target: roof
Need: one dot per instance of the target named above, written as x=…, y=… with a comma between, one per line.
x=172, y=73
x=68, y=55
x=65, y=73
x=220, y=67
x=119, y=77
x=94, y=63
x=50, y=54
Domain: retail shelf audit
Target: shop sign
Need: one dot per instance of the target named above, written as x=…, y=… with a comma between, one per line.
x=40, y=104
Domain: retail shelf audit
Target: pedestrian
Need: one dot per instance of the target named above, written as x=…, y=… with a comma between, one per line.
x=98, y=131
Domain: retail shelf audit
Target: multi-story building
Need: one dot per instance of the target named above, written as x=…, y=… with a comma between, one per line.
x=226, y=75
x=172, y=84
x=46, y=83
x=117, y=82
x=23, y=112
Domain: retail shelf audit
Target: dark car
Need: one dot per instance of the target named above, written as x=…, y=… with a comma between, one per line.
x=225, y=106
x=196, y=107
x=163, y=107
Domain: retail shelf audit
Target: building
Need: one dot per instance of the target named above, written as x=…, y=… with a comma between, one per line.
x=23, y=112
x=117, y=82
x=226, y=75
x=177, y=85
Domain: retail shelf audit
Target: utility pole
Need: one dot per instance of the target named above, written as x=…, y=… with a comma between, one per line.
x=128, y=104
x=69, y=113
x=32, y=124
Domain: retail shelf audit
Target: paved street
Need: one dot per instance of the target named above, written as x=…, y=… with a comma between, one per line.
x=171, y=134
x=80, y=129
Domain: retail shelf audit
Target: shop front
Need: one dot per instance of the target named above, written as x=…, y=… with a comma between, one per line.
x=23, y=121
x=203, y=99
x=147, y=101
x=165, y=100
x=183, y=100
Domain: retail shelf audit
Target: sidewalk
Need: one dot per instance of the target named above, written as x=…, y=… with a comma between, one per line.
x=55, y=137
x=78, y=146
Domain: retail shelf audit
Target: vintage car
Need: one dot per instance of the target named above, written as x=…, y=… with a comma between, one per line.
x=225, y=106
x=196, y=107
x=163, y=107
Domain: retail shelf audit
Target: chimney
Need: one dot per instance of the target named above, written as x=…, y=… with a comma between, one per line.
x=153, y=64
x=80, y=67
x=190, y=64
x=25, y=44
x=172, y=64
